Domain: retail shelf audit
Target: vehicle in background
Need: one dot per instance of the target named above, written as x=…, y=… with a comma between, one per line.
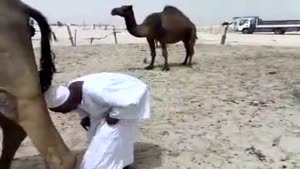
x=251, y=24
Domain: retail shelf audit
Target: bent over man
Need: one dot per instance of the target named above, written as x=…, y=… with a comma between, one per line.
x=110, y=105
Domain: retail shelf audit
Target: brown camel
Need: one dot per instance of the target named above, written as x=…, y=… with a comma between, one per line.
x=22, y=106
x=168, y=26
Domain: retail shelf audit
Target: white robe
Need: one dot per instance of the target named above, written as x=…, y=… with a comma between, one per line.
x=123, y=97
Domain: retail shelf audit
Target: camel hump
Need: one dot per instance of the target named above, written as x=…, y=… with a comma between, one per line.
x=172, y=10
x=169, y=7
x=175, y=20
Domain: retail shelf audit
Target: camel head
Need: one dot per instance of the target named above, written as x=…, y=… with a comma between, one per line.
x=123, y=11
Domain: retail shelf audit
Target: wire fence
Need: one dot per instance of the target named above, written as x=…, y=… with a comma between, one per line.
x=77, y=35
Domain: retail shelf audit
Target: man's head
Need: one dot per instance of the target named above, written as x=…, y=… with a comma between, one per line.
x=56, y=96
x=62, y=99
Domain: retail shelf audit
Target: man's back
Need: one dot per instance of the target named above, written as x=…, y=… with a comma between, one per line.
x=114, y=88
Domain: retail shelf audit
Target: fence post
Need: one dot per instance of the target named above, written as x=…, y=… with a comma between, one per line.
x=224, y=35
x=75, y=38
x=70, y=35
x=115, y=34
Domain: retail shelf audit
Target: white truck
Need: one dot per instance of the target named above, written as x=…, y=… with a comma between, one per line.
x=251, y=24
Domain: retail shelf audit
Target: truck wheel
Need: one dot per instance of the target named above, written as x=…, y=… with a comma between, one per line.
x=279, y=31
x=245, y=31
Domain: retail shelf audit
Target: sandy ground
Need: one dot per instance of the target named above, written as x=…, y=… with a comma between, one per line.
x=236, y=108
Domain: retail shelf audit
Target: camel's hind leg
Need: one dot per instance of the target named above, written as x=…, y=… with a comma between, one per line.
x=192, y=51
x=34, y=118
x=187, y=50
x=13, y=134
x=191, y=48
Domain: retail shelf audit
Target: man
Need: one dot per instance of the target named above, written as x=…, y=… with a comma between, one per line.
x=110, y=105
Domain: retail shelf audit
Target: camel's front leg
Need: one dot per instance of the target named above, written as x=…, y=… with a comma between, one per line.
x=165, y=55
x=153, y=53
x=13, y=135
x=35, y=119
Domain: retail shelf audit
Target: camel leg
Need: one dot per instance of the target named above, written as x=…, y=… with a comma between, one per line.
x=165, y=55
x=153, y=53
x=13, y=135
x=34, y=118
x=187, y=50
x=191, y=46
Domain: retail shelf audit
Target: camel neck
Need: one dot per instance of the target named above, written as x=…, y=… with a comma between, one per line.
x=133, y=28
x=130, y=22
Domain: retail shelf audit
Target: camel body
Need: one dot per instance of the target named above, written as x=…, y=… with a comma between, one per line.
x=22, y=107
x=167, y=27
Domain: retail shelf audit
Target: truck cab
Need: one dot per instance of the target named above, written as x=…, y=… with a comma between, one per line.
x=247, y=25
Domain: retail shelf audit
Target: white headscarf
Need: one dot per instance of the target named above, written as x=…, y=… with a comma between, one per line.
x=56, y=95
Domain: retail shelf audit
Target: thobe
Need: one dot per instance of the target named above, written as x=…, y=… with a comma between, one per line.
x=122, y=97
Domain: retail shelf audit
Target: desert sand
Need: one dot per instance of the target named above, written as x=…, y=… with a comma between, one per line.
x=237, y=107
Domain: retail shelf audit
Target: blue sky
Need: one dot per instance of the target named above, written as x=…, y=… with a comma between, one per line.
x=202, y=12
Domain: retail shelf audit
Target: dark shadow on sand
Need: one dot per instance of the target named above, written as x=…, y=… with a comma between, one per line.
x=36, y=162
x=147, y=155
x=160, y=66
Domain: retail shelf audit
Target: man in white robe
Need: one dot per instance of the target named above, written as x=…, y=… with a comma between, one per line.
x=110, y=105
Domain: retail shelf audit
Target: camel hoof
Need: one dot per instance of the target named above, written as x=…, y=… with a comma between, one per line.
x=150, y=67
x=184, y=63
x=165, y=69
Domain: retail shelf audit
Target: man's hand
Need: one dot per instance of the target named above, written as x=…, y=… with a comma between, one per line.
x=85, y=123
x=111, y=121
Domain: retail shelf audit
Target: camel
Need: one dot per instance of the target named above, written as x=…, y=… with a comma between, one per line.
x=23, y=110
x=168, y=26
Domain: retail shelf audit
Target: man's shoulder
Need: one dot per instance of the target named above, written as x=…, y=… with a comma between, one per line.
x=82, y=78
x=106, y=79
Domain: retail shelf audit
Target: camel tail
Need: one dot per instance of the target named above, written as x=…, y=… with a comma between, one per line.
x=193, y=36
x=54, y=36
x=47, y=66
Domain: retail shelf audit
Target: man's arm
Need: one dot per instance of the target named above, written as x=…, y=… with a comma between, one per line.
x=111, y=121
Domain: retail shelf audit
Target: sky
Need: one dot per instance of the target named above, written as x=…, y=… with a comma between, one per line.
x=201, y=12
